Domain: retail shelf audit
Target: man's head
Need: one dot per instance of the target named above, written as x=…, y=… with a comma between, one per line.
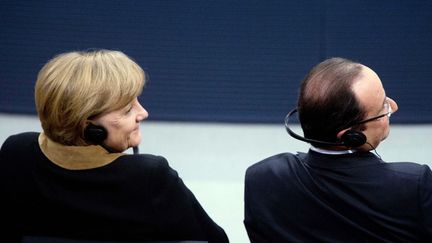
x=338, y=95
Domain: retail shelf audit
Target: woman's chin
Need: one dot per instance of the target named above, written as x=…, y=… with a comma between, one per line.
x=135, y=141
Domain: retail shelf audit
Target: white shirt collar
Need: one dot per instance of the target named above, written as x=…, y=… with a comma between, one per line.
x=332, y=152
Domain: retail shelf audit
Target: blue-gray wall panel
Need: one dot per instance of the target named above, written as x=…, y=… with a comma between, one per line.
x=229, y=61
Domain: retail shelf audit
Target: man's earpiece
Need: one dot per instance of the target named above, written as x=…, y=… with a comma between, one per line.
x=95, y=134
x=352, y=138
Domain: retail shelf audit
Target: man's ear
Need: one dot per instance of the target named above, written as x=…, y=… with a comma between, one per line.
x=341, y=133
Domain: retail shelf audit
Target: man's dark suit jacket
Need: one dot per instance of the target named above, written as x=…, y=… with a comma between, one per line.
x=356, y=197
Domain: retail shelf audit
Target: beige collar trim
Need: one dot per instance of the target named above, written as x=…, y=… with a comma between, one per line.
x=76, y=157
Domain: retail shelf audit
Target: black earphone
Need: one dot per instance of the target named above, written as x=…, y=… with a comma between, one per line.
x=95, y=134
x=350, y=138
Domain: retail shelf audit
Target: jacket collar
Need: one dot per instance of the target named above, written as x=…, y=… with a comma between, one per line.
x=325, y=160
x=76, y=157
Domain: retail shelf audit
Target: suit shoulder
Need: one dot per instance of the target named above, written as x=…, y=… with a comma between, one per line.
x=407, y=168
x=273, y=162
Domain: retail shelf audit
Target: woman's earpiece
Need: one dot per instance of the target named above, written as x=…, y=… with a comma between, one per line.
x=95, y=134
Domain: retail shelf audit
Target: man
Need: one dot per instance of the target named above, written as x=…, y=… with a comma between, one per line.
x=339, y=191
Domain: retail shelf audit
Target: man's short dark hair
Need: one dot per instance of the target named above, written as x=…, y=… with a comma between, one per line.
x=327, y=103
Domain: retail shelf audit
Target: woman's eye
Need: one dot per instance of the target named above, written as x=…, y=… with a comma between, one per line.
x=129, y=109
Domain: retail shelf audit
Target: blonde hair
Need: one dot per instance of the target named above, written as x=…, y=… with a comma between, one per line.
x=75, y=86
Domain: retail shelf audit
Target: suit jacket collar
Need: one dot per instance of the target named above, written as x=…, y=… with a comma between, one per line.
x=340, y=160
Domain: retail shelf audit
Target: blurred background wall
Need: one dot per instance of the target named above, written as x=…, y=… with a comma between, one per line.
x=223, y=61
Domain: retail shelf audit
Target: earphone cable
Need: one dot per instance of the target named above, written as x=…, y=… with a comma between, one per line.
x=374, y=149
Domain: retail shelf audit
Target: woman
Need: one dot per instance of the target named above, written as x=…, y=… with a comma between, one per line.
x=73, y=181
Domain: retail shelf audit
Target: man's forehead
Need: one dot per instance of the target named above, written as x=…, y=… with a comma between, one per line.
x=368, y=89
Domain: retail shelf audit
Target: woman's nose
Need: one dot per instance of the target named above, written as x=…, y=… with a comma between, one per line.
x=142, y=113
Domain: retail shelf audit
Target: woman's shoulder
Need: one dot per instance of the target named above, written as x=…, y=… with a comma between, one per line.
x=152, y=169
x=145, y=159
x=154, y=164
x=23, y=136
x=20, y=139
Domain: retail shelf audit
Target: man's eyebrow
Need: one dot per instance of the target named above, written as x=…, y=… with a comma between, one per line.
x=382, y=104
x=385, y=100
